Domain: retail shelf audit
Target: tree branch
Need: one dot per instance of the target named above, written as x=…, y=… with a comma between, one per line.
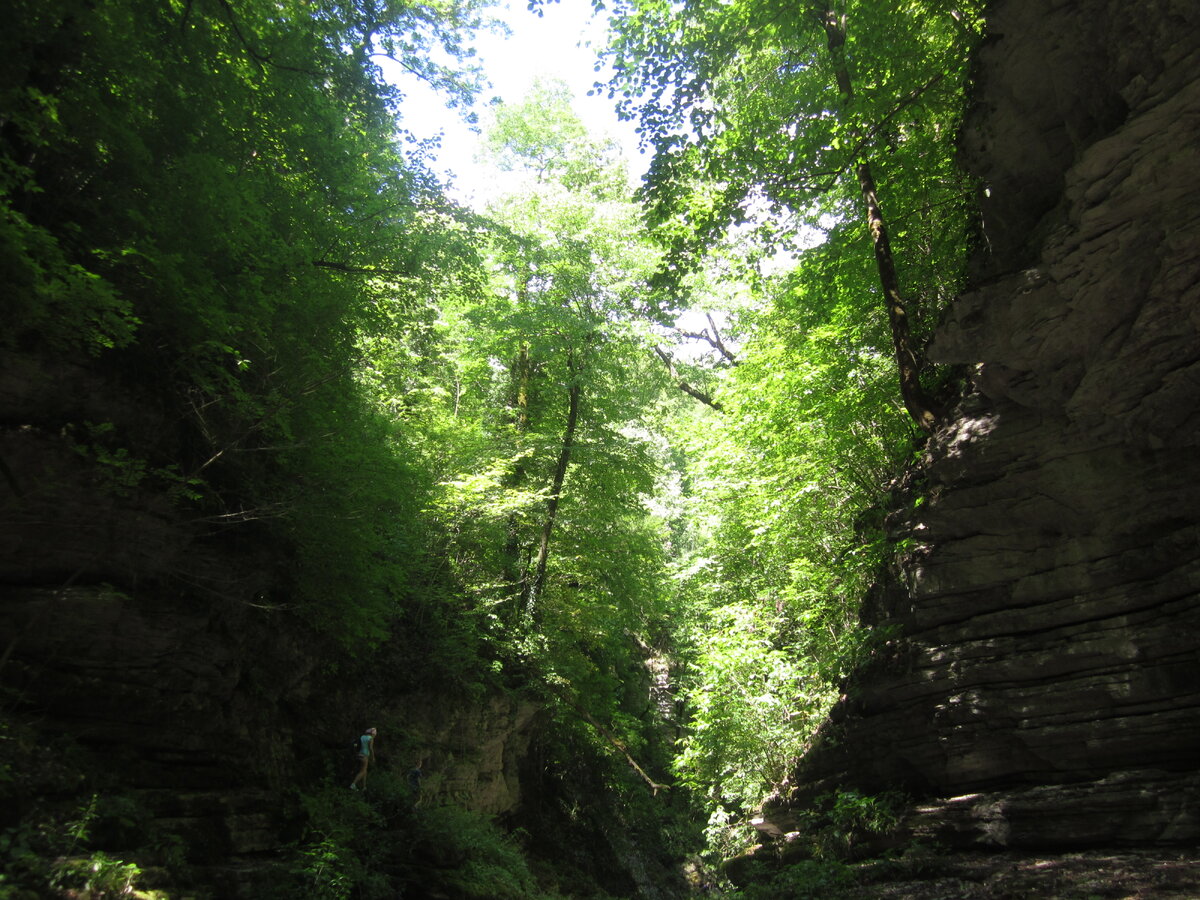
x=712, y=337
x=348, y=269
x=261, y=58
x=683, y=385
x=655, y=787
x=811, y=182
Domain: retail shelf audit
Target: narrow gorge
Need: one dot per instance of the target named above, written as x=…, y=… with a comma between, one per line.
x=1028, y=687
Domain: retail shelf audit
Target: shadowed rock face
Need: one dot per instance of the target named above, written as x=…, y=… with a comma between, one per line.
x=1048, y=618
x=153, y=653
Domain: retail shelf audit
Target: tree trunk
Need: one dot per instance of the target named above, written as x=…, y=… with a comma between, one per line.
x=523, y=371
x=533, y=588
x=915, y=399
x=908, y=360
x=514, y=572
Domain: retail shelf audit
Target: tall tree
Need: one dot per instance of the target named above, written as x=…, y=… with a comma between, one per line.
x=908, y=358
x=571, y=261
x=553, y=538
x=776, y=128
x=209, y=198
x=736, y=99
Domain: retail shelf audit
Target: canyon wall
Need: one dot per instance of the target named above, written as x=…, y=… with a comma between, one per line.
x=1033, y=682
x=147, y=655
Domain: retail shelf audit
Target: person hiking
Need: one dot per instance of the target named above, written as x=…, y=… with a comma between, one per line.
x=366, y=753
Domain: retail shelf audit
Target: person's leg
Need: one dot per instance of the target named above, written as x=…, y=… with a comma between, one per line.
x=361, y=777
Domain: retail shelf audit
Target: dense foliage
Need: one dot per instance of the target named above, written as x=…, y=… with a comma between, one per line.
x=421, y=426
x=781, y=133
x=461, y=431
x=215, y=191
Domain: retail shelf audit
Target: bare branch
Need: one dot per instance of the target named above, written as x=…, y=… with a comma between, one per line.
x=717, y=339
x=655, y=787
x=712, y=337
x=683, y=385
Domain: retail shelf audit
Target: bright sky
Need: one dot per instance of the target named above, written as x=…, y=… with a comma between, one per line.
x=559, y=44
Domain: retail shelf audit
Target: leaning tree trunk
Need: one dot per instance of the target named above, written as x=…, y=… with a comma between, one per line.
x=533, y=587
x=908, y=360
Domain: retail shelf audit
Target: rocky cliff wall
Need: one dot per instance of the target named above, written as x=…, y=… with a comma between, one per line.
x=1044, y=675
x=146, y=654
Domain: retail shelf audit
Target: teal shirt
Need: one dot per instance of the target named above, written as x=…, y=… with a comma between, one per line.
x=364, y=744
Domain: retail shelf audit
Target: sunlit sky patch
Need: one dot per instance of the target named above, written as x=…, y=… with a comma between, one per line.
x=560, y=44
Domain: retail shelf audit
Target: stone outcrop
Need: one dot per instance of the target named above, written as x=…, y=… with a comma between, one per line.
x=151, y=656
x=472, y=751
x=1044, y=626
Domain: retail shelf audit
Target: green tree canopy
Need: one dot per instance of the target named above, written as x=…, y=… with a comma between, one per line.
x=764, y=115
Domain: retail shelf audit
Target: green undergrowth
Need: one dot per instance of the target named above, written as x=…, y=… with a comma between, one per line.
x=596, y=823
x=69, y=829
x=383, y=843
x=588, y=828
x=804, y=880
x=62, y=817
x=820, y=860
x=847, y=824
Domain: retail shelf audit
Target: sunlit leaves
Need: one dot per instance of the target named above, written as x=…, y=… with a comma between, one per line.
x=215, y=190
x=741, y=103
x=569, y=267
x=759, y=128
x=751, y=708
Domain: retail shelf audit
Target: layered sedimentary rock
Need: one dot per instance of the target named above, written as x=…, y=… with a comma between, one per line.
x=149, y=651
x=1044, y=627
